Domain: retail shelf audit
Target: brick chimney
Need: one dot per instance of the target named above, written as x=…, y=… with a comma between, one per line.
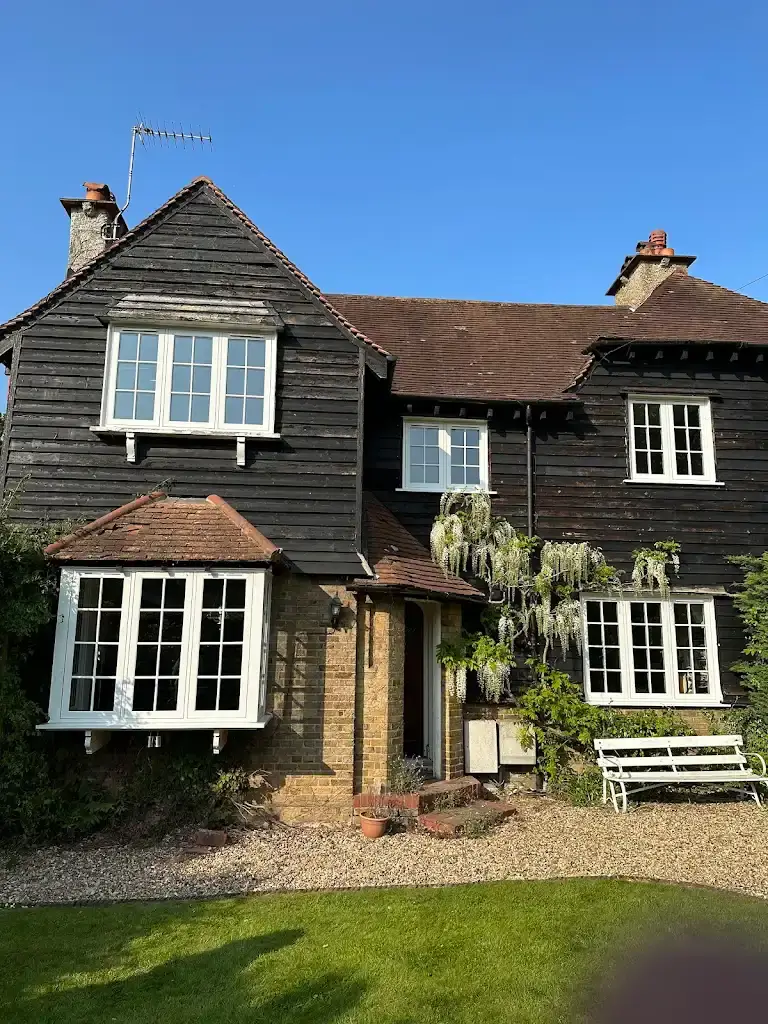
x=651, y=263
x=89, y=221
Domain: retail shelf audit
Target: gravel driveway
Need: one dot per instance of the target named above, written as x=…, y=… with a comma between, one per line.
x=718, y=844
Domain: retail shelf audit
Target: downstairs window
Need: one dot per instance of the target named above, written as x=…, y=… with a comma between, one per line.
x=148, y=648
x=661, y=652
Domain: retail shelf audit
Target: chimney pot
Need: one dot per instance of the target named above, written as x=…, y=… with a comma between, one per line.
x=640, y=274
x=96, y=192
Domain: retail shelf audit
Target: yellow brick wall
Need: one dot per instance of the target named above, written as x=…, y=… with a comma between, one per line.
x=308, y=748
x=381, y=657
x=453, y=710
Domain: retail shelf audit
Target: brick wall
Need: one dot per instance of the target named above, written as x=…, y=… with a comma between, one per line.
x=453, y=710
x=379, y=720
x=309, y=746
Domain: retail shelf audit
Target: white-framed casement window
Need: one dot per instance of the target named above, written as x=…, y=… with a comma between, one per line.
x=189, y=382
x=650, y=651
x=150, y=648
x=671, y=440
x=445, y=455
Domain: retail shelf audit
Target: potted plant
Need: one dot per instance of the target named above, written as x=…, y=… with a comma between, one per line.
x=375, y=818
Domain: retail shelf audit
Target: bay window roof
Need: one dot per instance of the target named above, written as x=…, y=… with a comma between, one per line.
x=157, y=528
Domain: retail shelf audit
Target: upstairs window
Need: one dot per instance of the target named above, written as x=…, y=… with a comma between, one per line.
x=445, y=455
x=650, y=652
x=147, y=648
x=670, y=440
x=186, y=382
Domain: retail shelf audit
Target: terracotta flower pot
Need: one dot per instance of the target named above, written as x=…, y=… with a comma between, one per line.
x=373, y=827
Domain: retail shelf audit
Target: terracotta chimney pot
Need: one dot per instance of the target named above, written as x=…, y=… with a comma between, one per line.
x=95, y=192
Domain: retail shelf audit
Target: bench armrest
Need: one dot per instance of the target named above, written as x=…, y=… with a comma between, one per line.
x=611, y=763
x=760, y=758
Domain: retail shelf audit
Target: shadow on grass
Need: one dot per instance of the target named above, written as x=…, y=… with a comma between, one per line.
x=225, y=984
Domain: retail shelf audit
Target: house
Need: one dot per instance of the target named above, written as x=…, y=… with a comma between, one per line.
x=255, y=465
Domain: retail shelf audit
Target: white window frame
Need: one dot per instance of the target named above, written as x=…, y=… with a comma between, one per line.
x=444, y=427
x=250, y=714
x=671, y=698
x=161, y=422
x=670, y=474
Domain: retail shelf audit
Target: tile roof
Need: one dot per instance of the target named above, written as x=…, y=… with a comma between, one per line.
x=687, y=309
x=156, y=528
x=483, y=351
x=504, y=351
x=196, y=185
x=401, y=562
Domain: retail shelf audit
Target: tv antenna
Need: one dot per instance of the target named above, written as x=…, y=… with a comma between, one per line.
x=146, y=133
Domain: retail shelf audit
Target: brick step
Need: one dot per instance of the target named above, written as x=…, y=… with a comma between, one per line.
x=451, y=793
x=454, y=822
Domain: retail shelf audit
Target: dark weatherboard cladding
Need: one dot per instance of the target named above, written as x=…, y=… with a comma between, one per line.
x=301, y=490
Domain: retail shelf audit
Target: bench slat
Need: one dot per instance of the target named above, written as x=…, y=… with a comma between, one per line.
x=656, y=742
x=656, y=761
x=689, y=776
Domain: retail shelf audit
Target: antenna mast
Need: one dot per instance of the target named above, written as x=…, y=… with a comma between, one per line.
x=142, y=131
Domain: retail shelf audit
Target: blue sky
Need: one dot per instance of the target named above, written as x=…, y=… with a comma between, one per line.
x=511, y=151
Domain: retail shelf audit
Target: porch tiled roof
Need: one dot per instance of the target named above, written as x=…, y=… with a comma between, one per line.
x=401, y=562
x=156, y=528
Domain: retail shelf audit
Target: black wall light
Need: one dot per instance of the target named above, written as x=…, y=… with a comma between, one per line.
x=335, y=611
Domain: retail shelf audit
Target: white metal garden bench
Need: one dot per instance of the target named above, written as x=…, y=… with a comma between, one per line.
x=634, y=765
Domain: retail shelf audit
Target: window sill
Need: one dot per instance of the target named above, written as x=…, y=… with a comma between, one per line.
x=674, y=483
x=666, y=703
x=440, y=490
x=155, y=725
x=228, y=434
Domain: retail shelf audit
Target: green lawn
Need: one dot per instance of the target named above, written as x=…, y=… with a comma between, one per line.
x=522, y=952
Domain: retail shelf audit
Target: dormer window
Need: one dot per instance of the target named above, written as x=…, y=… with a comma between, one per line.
x=671, y=440
x=190, y=381
x=445, y=455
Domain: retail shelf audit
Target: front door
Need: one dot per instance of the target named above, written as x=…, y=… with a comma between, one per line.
x=422, y=705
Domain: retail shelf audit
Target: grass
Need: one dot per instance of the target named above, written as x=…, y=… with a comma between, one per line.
x=521, y=952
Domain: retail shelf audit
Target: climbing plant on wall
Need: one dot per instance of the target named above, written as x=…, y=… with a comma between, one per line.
x=534, y=588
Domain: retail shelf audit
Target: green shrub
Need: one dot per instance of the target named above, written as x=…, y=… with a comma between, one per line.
x=583, y=788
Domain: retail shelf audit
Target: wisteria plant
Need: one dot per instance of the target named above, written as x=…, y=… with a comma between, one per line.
x=534, y=587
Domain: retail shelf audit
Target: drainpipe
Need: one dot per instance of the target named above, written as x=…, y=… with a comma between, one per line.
x=529, y=464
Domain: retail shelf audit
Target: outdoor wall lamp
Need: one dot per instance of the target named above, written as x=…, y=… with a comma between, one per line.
x=335, y=611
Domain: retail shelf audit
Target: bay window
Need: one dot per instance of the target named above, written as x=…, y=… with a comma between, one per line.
x=189, y=381
x=650, y=652
x=143, y=648
x=445, y=455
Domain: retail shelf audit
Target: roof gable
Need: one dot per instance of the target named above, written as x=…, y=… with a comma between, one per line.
x=199, y=188
x=158, y=529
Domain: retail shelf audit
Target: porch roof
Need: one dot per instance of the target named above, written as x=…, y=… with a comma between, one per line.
x=401, y=563
x=156, y=528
